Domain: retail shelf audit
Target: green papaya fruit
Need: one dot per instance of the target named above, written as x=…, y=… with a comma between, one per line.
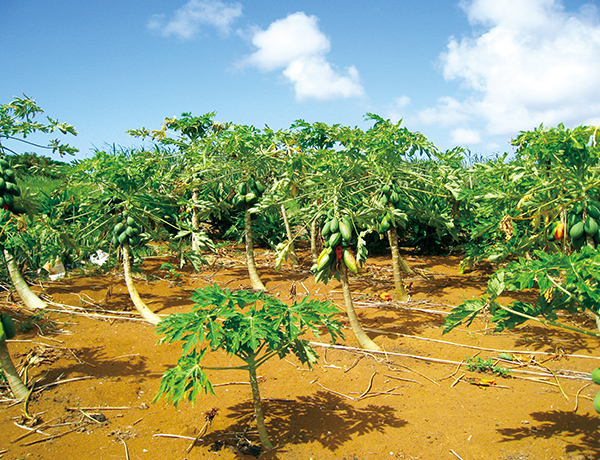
x=9, y=199
x=593, y=210
x=326, y=229
x=10, y=329
x=597, y=403
x=260, y=188
x=2, y=333
x=130, y=221
x=335, y=239
x=576, y=230
x=122, y=238
x=596, y=376
x=345, y=228
x=591, y=226
x=334, y=225
x=386, y=189
x=119, y=228
x=4, y=164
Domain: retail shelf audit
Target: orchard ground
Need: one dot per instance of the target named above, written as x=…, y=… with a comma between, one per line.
x=417, y=400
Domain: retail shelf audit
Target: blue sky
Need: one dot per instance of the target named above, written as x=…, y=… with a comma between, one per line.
x=469, y=73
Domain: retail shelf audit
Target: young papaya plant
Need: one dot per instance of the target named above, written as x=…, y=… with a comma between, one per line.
x=7, y=331
x=252, y=326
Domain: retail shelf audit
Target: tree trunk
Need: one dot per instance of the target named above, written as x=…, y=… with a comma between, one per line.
x=260, y=417
x=29, y=298
x=18, y=388
x=195, y=221
x=314, y=247
x=290, y=237
x=363, y=340
x=252, y=271
x=401, y=293
x=139, y=304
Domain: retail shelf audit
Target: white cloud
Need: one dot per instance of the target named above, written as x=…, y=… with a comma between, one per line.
x=296, y=45
x=464, y=136
x=187, y=20
x=530, y=62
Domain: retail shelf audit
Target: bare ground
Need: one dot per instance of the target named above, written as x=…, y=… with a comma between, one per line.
x=416, y=401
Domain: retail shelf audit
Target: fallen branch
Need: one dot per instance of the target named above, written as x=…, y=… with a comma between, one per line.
x=104, y=408
x=493, y=350
x=49, y=438
x=60, y=382
x=577, y=376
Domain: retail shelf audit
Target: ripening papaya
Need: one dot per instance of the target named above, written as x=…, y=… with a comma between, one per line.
x=323, y=259
x=559, y=231
x=350, y=261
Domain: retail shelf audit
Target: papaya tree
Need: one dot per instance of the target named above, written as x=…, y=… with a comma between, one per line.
x=549, y=232
x=396, y=183
x=7, y=331
x=17, y=122
x=252, y=326
x=125, y=207
x=195, y=175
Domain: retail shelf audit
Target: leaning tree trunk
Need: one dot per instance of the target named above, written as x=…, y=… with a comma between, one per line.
x=290, y=237
x=398, y=265
x=363, y=339
x=139, y=304
x=252, y=271
x=18, y=388
x=29, y=298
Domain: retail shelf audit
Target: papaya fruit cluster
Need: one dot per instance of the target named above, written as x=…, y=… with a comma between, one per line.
x=8, y=188
x=389, y=196
x=596, y=380
x=582, y=222
x=338, y=233
x=247, y=193
x=7, y=327
x=126, y=232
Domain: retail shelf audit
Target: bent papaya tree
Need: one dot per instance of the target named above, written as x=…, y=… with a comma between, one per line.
x=17, y=121
x=8, y=331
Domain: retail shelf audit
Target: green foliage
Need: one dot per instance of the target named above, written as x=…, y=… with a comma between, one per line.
x=485, y=365
x=569, y=283
x=17, y=121
x=250, y=325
